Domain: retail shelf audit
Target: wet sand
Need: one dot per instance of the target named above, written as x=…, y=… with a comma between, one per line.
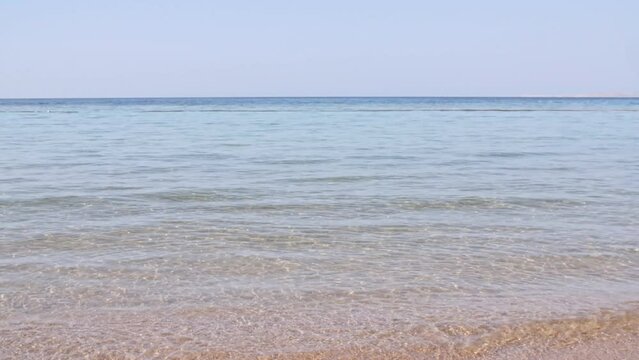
x=605, y=335
x=623, y=347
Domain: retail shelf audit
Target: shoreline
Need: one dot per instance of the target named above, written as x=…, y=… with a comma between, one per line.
x=605, y=335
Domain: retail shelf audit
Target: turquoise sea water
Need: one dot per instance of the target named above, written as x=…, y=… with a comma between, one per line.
x=284, y=225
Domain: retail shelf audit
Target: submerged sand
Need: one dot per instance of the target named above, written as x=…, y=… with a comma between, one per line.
x=604, y=335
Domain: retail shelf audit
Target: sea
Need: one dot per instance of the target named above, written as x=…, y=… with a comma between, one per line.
x=188, y=228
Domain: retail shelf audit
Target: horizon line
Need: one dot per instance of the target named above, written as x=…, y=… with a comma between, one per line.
x=337, y=97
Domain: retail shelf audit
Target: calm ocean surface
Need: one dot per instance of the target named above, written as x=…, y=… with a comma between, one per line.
x=173, y=227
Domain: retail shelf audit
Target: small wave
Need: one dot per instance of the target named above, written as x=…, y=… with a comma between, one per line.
x=40, y=111
x=473, y=202
x=298, y=161
x=220, y=110
x=355, y=110
x=251, y=201
x=55, y=201
x=378, y=110
x=194, y=196
x=339, y=179
x=507, y=154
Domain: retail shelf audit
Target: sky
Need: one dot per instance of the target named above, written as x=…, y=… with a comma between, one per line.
x=172, y=48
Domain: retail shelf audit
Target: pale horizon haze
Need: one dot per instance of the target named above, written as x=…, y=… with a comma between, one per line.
x=193, y=48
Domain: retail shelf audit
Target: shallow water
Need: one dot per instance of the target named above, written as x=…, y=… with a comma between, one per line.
x=168, y=227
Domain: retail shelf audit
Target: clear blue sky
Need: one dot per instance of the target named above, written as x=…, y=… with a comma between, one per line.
x=117, y=48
